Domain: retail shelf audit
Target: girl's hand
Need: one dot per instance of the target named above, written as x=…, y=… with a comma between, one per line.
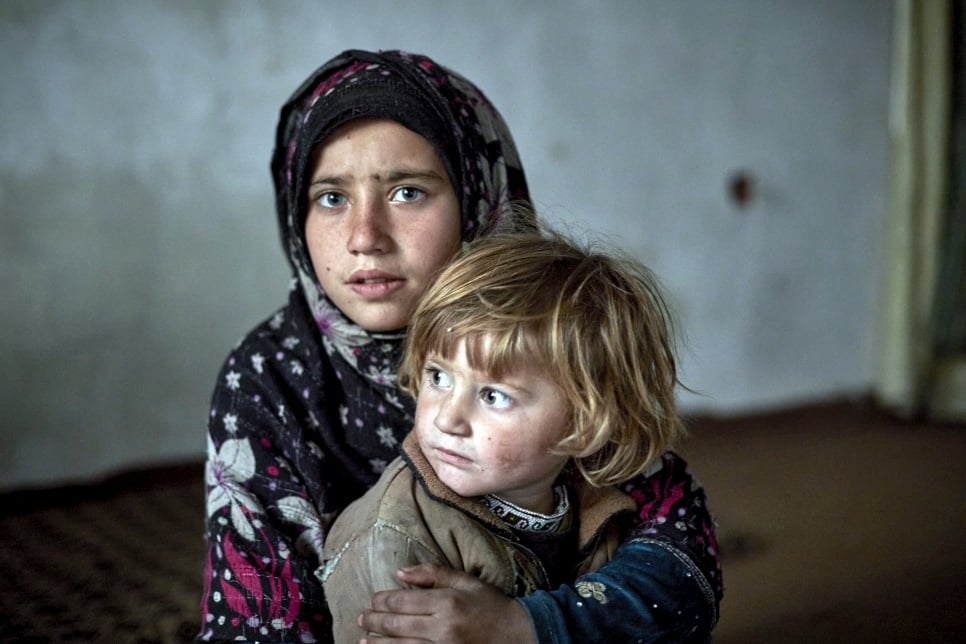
x=449, y=606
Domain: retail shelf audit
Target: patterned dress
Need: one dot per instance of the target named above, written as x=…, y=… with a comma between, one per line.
x=305, y=413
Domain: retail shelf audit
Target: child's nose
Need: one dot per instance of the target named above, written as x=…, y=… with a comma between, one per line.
x=451, y=416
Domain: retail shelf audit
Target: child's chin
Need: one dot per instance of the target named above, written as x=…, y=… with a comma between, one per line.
x=462, y=489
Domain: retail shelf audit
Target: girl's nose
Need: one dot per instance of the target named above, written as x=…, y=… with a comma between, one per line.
x=369, y=232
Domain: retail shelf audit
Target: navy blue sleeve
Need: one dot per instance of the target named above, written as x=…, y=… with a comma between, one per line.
x=664, y=583
x=649, y=592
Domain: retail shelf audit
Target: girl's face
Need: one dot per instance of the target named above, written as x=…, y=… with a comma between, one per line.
x=383, y=218
x=488, y=436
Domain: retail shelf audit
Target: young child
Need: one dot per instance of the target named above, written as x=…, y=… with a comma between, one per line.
x=544, y=377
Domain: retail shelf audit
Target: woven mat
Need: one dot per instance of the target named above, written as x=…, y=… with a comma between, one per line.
x=116, y=562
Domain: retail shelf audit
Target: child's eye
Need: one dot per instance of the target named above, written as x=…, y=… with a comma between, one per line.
x=495, y=398
x=437, y=377
x=330, y=200
x=407, y=193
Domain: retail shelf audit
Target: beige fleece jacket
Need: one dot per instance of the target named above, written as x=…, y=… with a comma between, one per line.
x=401, y=522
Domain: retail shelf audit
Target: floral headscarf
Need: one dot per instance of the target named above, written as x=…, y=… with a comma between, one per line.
x=466, y=130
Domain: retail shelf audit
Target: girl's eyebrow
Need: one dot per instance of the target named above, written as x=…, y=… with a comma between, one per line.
x=393, y=176
x=334, y=180
x=403, y=174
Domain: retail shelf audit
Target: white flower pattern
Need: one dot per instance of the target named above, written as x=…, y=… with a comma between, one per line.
x=277, y=320
x=298, y=510
x=227, y=470
x=592, y=589
x=386, y=436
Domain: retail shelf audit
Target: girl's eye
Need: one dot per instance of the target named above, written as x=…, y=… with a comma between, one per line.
x=407, y=193
x=330, y=200
x=495, y=398
x=438, y=377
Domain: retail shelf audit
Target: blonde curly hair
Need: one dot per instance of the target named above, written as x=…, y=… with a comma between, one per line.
x=597, y=322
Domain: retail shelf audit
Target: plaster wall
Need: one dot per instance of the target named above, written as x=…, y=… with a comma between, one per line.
x=138, y=239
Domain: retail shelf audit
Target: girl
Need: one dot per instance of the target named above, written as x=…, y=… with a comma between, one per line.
x=384, y=164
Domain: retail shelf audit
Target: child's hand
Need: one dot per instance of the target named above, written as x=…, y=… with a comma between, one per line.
x=448, y=606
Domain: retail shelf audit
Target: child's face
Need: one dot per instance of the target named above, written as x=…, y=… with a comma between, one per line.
x=484, y=436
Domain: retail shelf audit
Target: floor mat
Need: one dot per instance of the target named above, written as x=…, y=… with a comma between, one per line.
x=118, y=562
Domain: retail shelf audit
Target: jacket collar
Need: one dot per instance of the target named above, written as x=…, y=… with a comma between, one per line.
x=594, y=506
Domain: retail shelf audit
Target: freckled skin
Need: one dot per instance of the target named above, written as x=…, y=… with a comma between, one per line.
x=380, y=201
